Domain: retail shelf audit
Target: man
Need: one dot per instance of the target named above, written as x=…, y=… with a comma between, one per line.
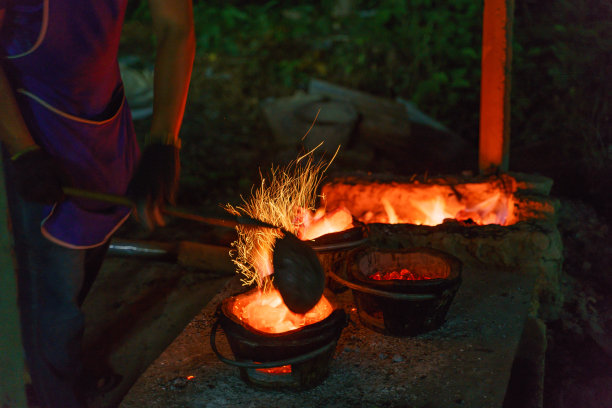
x=64, y=122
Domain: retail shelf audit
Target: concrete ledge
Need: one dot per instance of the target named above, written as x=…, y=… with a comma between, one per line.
x=466, y=363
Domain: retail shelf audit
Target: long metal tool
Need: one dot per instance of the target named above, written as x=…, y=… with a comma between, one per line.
x=298, y=273
x=228, y=221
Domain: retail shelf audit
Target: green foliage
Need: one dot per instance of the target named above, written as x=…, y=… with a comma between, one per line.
x=422, y=50
x=561, y=77
x=138, y=10
x=426, y=51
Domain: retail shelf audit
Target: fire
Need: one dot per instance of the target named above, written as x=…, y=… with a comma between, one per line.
x=484, y=202
x=494, y=209
x=434, y=211
x=313, y=225
x=421, y=205
x=266, y=312
x=391, y=214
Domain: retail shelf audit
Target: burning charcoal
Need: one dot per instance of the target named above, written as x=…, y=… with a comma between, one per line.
x=394, y=275
x=403, y=300
x=406, y=274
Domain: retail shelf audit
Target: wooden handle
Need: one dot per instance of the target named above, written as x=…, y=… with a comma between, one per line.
x=94, y=195
x=228, y=221
x=205, y=256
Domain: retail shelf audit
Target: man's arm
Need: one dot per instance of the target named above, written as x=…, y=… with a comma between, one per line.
x=13, y=131
x=35, y=174
x=155, y=180
x=174, y=31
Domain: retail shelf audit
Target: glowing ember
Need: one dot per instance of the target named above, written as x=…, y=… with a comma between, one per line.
x=266, y=312
x=286, y=369
x=404, y=274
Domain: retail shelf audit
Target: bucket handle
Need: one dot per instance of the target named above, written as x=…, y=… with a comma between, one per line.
x=382, y=293
x=245, y=364
x=339, y=246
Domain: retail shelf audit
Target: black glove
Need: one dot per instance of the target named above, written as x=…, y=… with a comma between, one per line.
x=37, y=177
x=155, y=182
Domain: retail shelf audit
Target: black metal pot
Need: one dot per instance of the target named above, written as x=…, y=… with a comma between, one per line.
x=308, y=350
x=332, y=250
x=402, y=307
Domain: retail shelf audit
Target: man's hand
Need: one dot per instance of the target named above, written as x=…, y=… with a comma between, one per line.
x=155, y=182
x=156, y=178
x=37, y=177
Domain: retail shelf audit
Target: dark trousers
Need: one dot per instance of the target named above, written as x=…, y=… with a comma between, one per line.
x=53, y=282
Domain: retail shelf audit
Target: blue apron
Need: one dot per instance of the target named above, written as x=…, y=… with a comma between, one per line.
x=68, y=86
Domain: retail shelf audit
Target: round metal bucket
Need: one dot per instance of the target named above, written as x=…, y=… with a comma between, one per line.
x=332, y=251
x=402, y=307
x=307, y=350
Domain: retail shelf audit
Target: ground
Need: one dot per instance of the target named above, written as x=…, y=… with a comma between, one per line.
x=579, y=354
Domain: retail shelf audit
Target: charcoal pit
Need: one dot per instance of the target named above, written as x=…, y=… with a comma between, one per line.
x=525, y=240
x=294, y=360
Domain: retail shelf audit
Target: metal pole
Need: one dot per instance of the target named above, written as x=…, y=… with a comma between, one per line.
x=12, y=365
x=495, y=86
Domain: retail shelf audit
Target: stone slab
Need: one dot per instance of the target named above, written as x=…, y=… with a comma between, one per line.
x=465, y=363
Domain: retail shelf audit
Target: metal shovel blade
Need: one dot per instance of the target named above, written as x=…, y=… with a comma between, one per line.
x=298, y=274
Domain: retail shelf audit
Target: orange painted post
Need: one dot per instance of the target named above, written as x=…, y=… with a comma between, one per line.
x=495, y=86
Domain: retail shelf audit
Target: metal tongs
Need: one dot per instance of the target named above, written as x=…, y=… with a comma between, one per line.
x=298, y=274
